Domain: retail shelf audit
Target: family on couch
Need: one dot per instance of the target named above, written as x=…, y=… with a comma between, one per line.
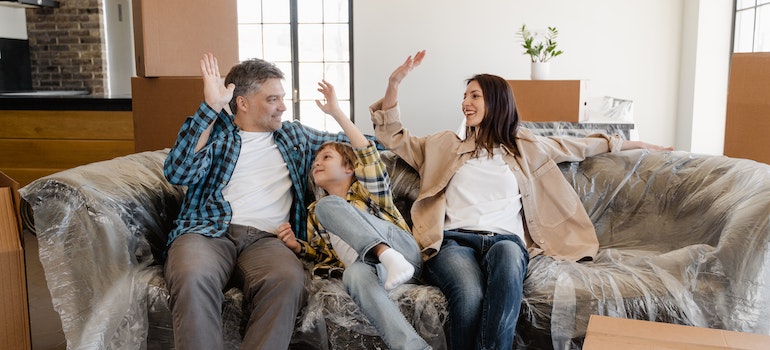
x=488, y=202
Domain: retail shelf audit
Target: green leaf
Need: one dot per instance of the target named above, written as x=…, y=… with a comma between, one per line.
x=542, y=49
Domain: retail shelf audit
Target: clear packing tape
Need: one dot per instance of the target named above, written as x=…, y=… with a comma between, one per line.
x=684, y=239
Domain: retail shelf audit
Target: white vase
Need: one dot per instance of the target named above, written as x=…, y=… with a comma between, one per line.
x=540, y=70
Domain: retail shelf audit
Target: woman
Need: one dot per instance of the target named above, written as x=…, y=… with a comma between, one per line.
x=488, y=203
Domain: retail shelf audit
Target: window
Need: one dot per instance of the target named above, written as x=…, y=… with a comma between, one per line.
x=752, y=26
x=309, y=40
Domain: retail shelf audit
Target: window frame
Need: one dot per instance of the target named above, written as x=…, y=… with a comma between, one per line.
x=757, y=5
x=294, y=96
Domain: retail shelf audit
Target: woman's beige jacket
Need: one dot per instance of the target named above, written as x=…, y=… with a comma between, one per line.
x=555, y=221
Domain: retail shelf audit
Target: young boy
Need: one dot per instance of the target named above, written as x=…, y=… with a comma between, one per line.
x=357, y=226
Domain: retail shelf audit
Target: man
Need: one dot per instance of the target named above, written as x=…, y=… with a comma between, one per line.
x=246, y=173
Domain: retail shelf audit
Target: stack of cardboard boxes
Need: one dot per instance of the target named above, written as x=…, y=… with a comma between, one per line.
x=170, y=37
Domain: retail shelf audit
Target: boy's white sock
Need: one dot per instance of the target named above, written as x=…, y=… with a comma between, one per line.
x=399, y=270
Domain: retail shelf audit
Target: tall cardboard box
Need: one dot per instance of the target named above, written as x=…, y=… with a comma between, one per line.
x=611, y=333
x=170, y=36
x=748, y=107
x=14, y=309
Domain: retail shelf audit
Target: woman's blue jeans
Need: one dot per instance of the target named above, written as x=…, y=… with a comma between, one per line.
x=482, y=277
x=362, y=231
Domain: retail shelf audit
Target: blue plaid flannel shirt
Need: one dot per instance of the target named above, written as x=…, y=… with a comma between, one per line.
x=205, y=173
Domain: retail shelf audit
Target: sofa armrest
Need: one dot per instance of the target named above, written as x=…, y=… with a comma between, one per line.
x=661, y=201
x=714, y=211
x=99, y=226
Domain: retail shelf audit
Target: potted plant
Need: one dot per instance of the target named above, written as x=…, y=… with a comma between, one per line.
x=540, y=48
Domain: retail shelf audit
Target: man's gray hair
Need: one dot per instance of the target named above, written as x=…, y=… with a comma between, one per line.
x=248, y=76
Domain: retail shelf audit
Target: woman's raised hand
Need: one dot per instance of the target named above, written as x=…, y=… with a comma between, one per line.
x=391, y=93
x=403, y=70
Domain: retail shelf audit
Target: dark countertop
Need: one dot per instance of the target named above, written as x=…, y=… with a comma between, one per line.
x=47, y=102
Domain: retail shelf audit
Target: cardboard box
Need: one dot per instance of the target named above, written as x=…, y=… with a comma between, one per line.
x=748, y=105
x=14, y=308
x=550, y=100
x=171, y=36
x=619, y=333
x=160, y=106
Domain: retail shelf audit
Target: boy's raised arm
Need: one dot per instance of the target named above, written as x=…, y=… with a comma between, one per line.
x=332, y=107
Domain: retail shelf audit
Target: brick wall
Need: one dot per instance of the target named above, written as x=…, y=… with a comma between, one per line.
x=66, y=46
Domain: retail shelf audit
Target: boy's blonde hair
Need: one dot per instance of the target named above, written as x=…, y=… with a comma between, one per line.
x=347, y=152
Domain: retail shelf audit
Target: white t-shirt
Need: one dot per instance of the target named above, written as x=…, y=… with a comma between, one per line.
x=259, y=191
x=484, y=195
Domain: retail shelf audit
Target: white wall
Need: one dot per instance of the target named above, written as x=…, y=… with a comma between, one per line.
x=704, y=76
x=14, y=23
x=628, y=49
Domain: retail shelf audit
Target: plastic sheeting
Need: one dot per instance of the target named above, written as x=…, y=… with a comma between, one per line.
x=684, y=239
x=101, y=230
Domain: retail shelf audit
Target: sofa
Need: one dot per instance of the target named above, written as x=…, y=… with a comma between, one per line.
x=684, y=239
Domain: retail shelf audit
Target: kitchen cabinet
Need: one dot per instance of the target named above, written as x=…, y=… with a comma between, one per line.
x=35, y=143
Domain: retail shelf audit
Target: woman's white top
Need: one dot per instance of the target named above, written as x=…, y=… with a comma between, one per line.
x=484, y=195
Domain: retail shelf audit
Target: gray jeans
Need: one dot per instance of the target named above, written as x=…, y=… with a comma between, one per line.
x=273, y=281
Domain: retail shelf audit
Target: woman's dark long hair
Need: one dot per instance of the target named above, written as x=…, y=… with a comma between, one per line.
x=501, y=120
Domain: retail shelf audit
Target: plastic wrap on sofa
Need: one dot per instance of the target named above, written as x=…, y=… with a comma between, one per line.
x=683, y=239
x=99, y=227
x=102, y=231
